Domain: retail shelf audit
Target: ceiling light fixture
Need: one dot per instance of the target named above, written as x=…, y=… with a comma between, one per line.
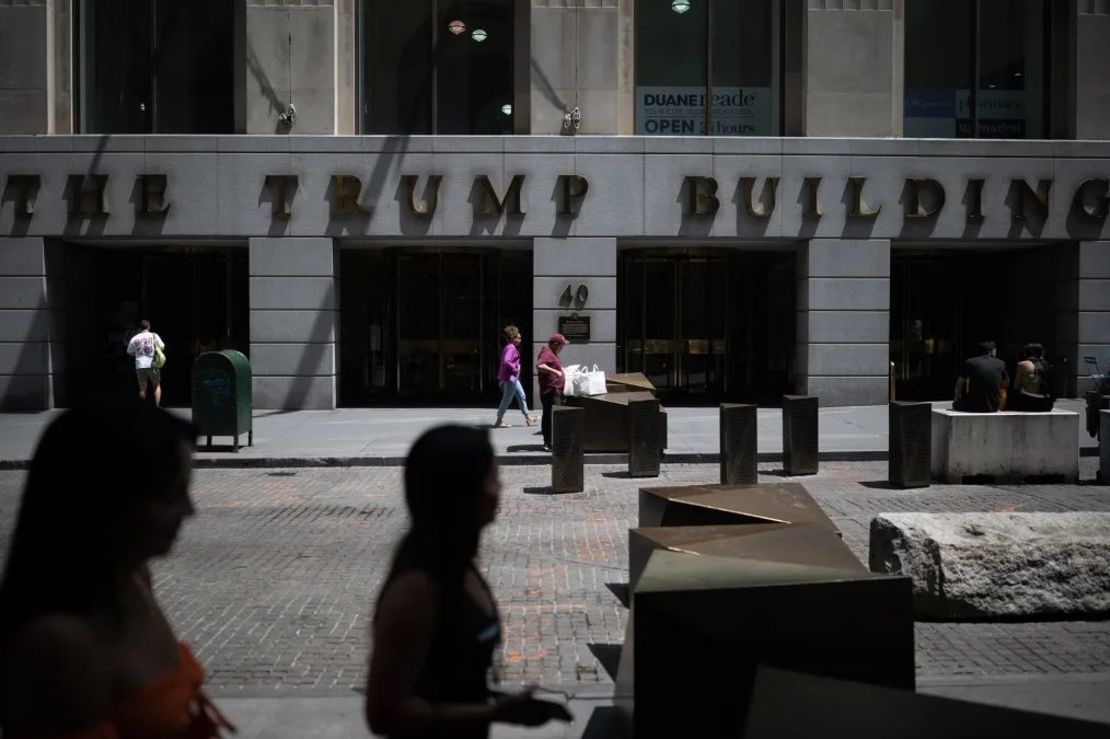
x=680, y=6
x=478, y=34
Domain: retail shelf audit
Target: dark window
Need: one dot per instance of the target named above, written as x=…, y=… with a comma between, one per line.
x=437, y=66
x=975, y=69
x=732, y=44
x=156, y=66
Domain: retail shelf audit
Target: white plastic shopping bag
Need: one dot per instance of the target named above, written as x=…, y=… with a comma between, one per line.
x=594, y=382
x=570, y=372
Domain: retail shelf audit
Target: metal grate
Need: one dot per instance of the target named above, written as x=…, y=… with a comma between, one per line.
x=567, y=427
x=738, y=444
x=910, y=440
x=799, y=434
x=644, y=446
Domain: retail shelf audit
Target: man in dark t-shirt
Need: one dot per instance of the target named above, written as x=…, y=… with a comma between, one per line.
x=982, y=382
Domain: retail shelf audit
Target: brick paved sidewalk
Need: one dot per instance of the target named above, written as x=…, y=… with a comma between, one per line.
x=274, y=581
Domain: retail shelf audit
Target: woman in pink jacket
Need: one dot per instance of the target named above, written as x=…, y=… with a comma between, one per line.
x=508, y=376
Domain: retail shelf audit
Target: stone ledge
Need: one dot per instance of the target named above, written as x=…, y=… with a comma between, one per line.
x=998, y=565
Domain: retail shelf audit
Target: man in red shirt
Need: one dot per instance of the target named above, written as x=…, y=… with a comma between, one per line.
x=550, y=374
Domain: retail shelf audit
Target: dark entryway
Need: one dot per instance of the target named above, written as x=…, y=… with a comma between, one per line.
x=942, y=303
x=195, y=298
x=707, y=326
x=424, y=326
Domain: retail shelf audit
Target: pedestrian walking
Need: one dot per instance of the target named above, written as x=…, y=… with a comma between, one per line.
x=148, y=350
x=436, y=625
x=552, y=382
x=508, y=376
x=85, y=649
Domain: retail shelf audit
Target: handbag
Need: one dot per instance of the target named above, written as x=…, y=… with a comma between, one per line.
x=159, y=357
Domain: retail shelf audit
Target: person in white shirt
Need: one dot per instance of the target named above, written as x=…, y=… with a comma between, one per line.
x=141, y=347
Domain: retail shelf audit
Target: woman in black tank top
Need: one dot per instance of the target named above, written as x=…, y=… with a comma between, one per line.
x=436, y=624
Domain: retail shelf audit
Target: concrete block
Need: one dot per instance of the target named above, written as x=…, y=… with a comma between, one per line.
x=194, y=201
x=664, y=205
x=25, y=393
x=843, y=326
x=574, y=256
x=615, y=203
x=553, y=49
x=296, y=360
x=1094, y=327
x=25, y=359
x=835, y=392
x=846, y=258
x=293, y=293
x=547, y=291
x=23, y=257
x=22, y=293
x=843, y=359
x=1094, y=259
x=292, y=326
x=25, y=325
x=851, y=293
x=1007, y=445
x=315, y=110
x=1011, y=565
x=299, y=393
x=601, y=117
x=596, y=55
x=292, y=257
x=1094, y=295
x=240, y=182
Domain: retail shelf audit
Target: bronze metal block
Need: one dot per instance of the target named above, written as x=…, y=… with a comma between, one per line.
x=607, y=420
x=567, y=460
x=719, y=618
x=779, y=542
x=909, y=444
x=793, y=705
x=626, y=381
x=644, y=448
x=738, y=444
x=712, y=505
x=799, y=434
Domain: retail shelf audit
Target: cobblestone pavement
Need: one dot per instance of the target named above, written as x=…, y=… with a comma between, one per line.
x=274, y=580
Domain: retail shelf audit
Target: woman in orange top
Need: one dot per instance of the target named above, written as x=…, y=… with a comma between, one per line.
x=85, y=650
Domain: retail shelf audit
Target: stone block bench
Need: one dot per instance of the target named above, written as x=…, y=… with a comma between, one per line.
x=998, y=565
x=1007, y=446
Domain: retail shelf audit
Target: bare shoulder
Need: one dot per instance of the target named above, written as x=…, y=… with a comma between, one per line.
x=411, y=591
x=57, y=675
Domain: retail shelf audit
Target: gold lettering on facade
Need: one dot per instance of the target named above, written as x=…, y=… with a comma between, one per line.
x=1092, y=200
x=812, y=206
x=918, y=207
x=1023, y=193
x=24, y=190
x=975, y=200
x=88, y=195
x=701, y=194
x=281, y=188
x=490, y=205
x=152, y=194
x=426, y=207
x=574, y=188
x=345, y=191
x=856, y=207
x=761, y=209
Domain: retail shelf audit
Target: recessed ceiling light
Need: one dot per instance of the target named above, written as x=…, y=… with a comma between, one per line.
x=456, y=27
x=478, y=34
x=680, y=6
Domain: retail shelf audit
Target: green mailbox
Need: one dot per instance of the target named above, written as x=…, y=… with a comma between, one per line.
x=222, y=404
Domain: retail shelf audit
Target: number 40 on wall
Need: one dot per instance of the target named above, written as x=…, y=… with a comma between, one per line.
x=572, y=298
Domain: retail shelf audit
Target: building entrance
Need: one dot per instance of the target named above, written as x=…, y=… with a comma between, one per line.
x=195, y=298
x=945, y=302
x=708, y=326
x=425, y=326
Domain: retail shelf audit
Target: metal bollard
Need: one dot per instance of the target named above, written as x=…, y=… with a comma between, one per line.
x=738, y=444
x=644, y=453
x=910, y=439
x=799, y=434
x=567, y=459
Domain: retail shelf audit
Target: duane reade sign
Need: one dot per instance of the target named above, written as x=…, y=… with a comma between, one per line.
x=680, y=111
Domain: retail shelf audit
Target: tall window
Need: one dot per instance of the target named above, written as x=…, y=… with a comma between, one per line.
x=975, y=69
x=156, y=66
x=724, y=52
x=437, y=66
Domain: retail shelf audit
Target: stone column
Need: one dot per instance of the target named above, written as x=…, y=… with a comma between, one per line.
x=30, y=295
x=1092, y=59
x=290, y=58
x=27, y=67
x=575, y=49
x=559, y=263
x=843, y=328
x=1094, y=308
x=854, y=68
x=294, y=298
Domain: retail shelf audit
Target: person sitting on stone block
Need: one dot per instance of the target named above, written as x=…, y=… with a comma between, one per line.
x=981, y=385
